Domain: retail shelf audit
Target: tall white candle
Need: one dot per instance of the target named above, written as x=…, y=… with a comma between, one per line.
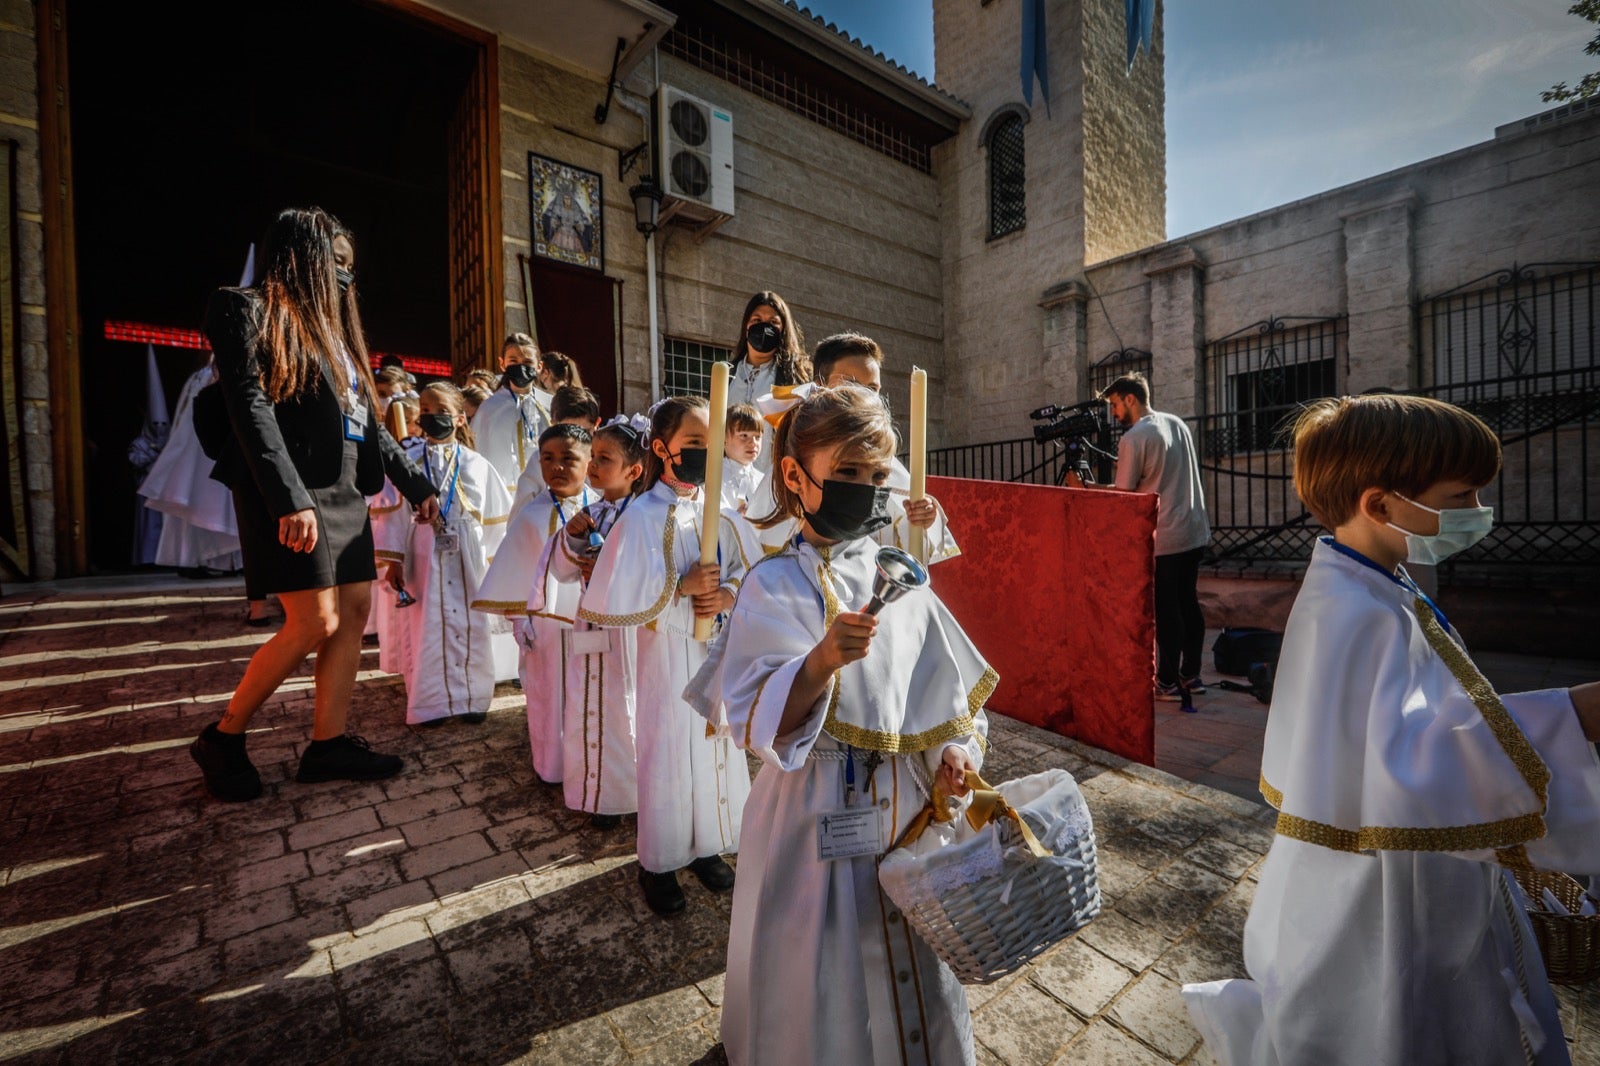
x=919, y=449
x=711, y=517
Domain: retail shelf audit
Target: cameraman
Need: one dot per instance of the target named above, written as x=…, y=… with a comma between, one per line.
x=1157, y=455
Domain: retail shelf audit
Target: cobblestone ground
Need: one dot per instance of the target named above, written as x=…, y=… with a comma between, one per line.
x=459, y=913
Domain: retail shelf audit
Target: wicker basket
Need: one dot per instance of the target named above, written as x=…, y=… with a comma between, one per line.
x=983, y=901
x=1570, y=943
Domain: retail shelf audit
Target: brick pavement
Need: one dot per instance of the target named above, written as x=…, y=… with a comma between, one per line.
x=458, y=913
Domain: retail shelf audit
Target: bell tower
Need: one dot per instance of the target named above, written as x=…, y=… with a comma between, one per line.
x=1031, y=194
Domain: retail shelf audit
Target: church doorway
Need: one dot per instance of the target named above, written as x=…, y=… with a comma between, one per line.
x=190, y=125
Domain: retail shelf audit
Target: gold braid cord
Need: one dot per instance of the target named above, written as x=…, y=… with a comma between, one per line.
x=1506, y=836
x=627, y=621
x=896, y=743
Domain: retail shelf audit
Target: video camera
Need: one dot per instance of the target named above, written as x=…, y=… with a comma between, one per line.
x=1087, y=419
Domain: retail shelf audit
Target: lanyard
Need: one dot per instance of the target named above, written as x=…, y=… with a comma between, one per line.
x=561, y=516
x=455, y=478
x=1408, y=585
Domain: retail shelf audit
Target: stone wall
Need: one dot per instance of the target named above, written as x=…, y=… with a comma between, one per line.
x=849, y=237
x=1367, y=251
x=1095, y=167
x=19, y=122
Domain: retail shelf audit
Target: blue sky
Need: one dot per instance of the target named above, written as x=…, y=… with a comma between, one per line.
x=1272, y=100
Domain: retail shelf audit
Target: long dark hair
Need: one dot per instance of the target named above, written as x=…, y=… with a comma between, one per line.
x=793, y=365
x=664, y=422
x=304, y=315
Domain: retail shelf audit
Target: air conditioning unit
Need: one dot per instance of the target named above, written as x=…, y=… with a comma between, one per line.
x=694, y=154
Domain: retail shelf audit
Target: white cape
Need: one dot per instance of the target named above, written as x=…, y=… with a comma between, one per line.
x=1381, y=931
x=883, y=995
x=692, y=786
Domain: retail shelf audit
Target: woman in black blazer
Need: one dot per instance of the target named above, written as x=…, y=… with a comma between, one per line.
x=306, y=451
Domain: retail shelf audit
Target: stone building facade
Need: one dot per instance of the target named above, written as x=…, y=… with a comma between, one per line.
x=865, y=196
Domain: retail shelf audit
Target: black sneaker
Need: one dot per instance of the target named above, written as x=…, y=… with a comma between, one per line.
x=229, y=774
x=662, y=891
x=1195, y=685
x=345, y=758
x=713, y=872
x=475, y=717
x=605, y=821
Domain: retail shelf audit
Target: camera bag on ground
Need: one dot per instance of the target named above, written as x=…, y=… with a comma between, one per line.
x=1239, y=648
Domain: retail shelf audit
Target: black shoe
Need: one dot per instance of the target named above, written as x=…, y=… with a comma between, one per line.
x=605, y=821
x=345, y=758
x=662, y=891
x=1195, y=686
x=713, y=872
x=229, y=775
x=516, y=682
x=369, y=640
x=475, y=717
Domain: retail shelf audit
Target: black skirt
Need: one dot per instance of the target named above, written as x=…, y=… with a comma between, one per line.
x=344, y=551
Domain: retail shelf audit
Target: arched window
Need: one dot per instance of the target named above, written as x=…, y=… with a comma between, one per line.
x=1007, y=199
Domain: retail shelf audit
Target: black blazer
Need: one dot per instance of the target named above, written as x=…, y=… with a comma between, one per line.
x=296, y=445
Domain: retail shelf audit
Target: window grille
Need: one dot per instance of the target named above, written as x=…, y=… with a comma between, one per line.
x=1007, y=198
x=688, y=366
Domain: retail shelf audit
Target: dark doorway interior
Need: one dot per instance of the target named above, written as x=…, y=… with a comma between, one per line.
x=191, y=125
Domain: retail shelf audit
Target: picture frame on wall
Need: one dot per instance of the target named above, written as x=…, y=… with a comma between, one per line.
x=566, y=209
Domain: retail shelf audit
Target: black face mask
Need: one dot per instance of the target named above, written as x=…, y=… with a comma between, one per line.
x=437, y=427
x=849, y=511
x=521, y=374
x=763, y=337
x=345, y=278
x=689, y=466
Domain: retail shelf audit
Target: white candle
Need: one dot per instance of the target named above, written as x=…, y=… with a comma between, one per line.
x=711, y=517
x=919, y=450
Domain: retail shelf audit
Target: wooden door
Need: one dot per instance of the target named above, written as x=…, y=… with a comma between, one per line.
x=477, y=308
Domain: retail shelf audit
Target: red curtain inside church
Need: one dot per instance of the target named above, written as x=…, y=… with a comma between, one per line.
x=1056, y=587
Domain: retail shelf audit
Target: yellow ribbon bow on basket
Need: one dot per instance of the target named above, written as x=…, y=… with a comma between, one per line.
x=987, y=805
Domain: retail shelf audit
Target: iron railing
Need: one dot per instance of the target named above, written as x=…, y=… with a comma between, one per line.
x=1520, y=348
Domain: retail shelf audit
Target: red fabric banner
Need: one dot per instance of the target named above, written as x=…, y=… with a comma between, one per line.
x=1056, y=587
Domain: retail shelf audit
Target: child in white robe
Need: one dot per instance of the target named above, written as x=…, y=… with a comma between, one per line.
x=520, y=568
x=741, y=478
x=508, y=424
x=388, y=506
x=598, y=727
x=448, y=666
x=855, y=359
x=691, y=786
x=1385, y=930
x=845, y=711
x=572, y=405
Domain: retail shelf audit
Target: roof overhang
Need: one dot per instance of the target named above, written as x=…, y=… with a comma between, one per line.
x=582, y=34
x=801, y=31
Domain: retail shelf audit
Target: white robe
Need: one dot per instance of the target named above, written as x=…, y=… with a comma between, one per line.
x=692, y=787
x=741, y=485
x=598, y=729
x=198, y=527
x=507, y=430
x=821, y=966
x=1380, y=931
x=390, y=515
x=520, y=570
x=449, y=662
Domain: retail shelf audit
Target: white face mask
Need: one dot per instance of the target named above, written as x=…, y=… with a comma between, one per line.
x=1459, y=529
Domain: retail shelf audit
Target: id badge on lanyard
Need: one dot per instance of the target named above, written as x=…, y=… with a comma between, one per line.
x=355, y=421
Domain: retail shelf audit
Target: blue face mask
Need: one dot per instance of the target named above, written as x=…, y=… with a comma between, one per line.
x=1459, y=529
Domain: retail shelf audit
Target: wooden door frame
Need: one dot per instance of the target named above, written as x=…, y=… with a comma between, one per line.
x=63, y=321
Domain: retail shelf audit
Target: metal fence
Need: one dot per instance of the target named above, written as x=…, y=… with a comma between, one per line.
x=1520, y=348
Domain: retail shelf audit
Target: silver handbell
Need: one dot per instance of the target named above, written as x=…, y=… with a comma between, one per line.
x=898, y=573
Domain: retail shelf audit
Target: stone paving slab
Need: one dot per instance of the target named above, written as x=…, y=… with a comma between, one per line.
x=459, y=913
